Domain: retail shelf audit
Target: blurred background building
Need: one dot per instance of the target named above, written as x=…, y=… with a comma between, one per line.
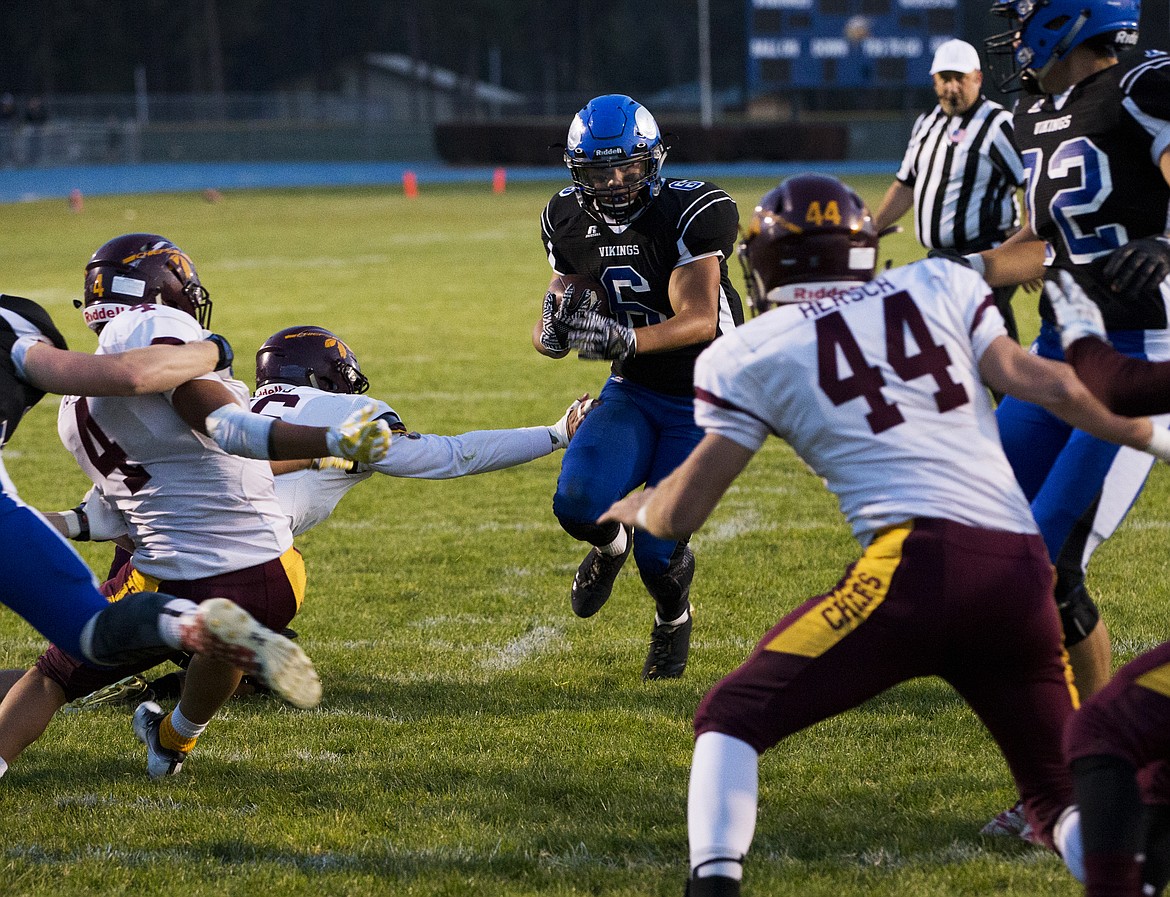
x=87, y=81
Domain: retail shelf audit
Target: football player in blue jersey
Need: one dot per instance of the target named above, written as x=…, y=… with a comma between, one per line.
x=659, y=248
x=1094, y=131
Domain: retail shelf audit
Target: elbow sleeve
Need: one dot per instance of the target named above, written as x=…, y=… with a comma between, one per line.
x=240, y=432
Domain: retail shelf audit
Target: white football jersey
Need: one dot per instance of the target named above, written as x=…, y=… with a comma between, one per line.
x=876, y=387
x=191, y=509
x=309, y=496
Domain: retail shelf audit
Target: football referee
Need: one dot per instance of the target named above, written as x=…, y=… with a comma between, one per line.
x=961, y=169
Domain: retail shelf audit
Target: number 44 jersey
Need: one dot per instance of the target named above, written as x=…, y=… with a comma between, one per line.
x=876, y=386
x=1094, y=184
x=192, y=510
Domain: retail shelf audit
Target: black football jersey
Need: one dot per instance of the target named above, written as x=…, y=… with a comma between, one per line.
x=1093, y=177
x=687, y=219
x=19, y=317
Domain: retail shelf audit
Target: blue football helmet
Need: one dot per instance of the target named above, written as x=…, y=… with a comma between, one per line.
x=1043, y=31
x=615, y=153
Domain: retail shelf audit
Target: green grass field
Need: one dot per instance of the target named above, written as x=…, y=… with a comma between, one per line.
x=475, y=737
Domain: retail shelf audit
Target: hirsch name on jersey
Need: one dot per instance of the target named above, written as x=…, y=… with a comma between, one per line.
x=878, y=390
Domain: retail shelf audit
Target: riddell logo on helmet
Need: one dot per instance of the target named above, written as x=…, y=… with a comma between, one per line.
x=100, y=314
x=607, y=151
x=804, y=294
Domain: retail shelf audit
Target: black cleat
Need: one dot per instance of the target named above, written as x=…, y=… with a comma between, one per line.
x=595, y=577
x=712, y=886
x=669, y=647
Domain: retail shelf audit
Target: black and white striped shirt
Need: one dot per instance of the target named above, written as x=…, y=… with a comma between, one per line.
x=964, y=170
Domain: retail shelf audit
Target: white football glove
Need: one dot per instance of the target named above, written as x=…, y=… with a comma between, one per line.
x=597, y=337
x=360, y=437
x=563, y=430
x=96, y=519
x=106, y=522
x=1077, y=315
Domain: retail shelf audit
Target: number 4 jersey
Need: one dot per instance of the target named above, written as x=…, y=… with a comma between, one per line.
x=876, y=387
x=1094, y=183
x=192, y=510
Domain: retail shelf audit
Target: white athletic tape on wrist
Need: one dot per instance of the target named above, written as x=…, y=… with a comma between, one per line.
x=640, y=519
x=1159, y=445
x=72, y=521
x=240, y=432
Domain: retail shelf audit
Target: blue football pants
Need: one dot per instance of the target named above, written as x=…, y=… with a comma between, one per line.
x=634, y=436
x=45, y=580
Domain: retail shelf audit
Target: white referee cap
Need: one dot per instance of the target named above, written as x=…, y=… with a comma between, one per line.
x=955, y=56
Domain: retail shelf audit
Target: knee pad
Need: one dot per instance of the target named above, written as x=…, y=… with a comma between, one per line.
x=593, y=533
x=1078, y=612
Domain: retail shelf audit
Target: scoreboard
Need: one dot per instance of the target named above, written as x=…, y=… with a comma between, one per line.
x=845, y=43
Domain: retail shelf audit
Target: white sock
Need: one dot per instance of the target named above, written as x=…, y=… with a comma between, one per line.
x=3, y=767
x=184, y=726
x=658, y=621
x=721, y=804
x=170, y=622
x=1067, y=837
x=618, y=545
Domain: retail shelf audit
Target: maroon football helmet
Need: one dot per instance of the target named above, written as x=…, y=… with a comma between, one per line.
x=810, y=228
x=135, y=269
x=310, y=356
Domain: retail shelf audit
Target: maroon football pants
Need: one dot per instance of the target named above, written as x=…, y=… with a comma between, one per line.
x=929, y=598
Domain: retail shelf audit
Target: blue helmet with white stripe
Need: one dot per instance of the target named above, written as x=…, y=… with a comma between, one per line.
x=615, y=152
x=1044, y=31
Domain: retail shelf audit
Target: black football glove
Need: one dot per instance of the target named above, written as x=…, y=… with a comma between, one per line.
x=226, y=356
x=597, y=337
x=1139, y=265
x=578, y=300
x=554, y=331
